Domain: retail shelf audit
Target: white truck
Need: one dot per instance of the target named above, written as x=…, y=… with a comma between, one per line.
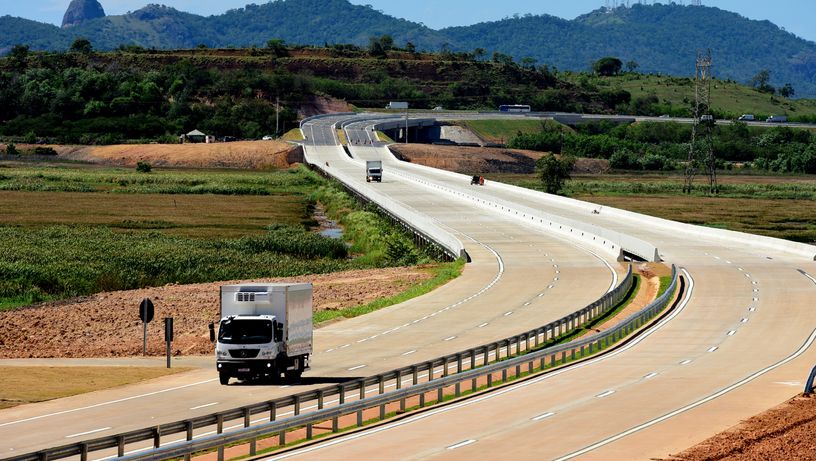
x=374, y=170
x=777, y=119
x=265, y=331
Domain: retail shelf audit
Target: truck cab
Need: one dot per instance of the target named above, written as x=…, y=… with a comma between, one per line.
x=374, y=171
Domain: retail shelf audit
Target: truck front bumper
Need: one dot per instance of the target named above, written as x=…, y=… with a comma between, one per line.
x=246, y=367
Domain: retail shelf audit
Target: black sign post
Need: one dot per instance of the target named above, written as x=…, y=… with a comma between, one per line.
x=146, y=314
x=168, y=336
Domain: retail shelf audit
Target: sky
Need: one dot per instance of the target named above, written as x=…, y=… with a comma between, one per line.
x=795, y=16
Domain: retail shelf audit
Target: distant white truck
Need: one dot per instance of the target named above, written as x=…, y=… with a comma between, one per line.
x=747, y=117
x=397, y=105
x=374, y=170
x=777, y=119
x=265, y=331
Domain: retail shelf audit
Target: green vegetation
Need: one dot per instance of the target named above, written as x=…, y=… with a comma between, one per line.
x=553, y=171
x=501, y=131
x=99, y=240
x=664, y=146
x=661, y=94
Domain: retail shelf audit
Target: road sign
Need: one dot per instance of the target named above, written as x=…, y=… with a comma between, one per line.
x=146, y=310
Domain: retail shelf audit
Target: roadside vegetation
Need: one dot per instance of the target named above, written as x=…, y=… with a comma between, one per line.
x=66, y=233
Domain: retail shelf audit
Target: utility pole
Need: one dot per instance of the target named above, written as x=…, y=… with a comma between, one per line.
x=701, y=149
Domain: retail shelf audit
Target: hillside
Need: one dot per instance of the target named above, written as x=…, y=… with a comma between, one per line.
x=660, y=38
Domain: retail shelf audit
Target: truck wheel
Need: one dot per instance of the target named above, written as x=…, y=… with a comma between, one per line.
x=224, y=378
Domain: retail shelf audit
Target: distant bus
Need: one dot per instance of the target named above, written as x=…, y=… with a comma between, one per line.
x=514, y=108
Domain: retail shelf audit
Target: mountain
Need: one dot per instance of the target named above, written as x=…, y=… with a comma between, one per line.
x=80, y=11
x=660, y=38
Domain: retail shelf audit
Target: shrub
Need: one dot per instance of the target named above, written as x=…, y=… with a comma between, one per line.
x=11, y=149
x=143, y=167
x=44, y=151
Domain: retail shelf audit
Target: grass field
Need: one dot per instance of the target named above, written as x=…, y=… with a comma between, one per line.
x=729, y=97
x=23, y=385
x=501, y=131
x=775, y=206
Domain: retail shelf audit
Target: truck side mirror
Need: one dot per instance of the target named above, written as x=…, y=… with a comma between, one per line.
x=212, y=332
x=277, y=327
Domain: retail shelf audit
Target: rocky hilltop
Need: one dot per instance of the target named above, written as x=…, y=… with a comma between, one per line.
x=80, y=11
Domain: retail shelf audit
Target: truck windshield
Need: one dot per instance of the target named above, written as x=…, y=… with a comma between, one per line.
x=237, y=331
x=374, y=170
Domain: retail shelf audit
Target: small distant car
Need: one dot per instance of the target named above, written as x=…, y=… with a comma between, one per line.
x=707, y=118
x=665, y=116
x=228, y=139
x=747, y=117
x=268, y=138
x=438, y=109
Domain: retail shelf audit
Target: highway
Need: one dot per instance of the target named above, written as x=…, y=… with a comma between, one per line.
x=741, y=343
x=518, y=279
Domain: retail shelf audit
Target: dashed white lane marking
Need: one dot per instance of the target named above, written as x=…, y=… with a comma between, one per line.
x=605, y=394
x=450, y=338
x=732, y=332
x=527, y=303
x=344, y=346
x=409, y=352
x=204, y=406
x=87, y=433
x=483, y=325
x=544, y=416
x=713, y=348
x=650, y=375
x=744, y=320
x=685, y=362
x=506, y=314
x=461, y=444
x=356, y=368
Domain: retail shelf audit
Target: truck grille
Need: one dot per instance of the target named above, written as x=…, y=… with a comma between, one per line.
x=244, y=353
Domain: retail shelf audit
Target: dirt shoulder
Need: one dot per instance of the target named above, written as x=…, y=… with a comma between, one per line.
x=781, y=434
x=107, y=324
x=241, y=154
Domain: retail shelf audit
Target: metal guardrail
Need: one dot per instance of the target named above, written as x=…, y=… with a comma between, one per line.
x=809, y=385
x=472, y=358
x=535, y=360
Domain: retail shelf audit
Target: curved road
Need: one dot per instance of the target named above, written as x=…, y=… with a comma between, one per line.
x=518, y=280
x=740, y=344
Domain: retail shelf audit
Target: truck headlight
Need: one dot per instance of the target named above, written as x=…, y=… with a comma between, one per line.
x=221, y=354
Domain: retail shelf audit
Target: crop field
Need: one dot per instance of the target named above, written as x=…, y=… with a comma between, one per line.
x=74, y=231
x=752, y=204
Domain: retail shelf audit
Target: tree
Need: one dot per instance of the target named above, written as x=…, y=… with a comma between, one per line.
x=19, y=56
x=554, y=171
x=410, y=47
x=632, y=65
x=277, y=47
x=760, y=82
x=11, y=149
x=380, y=46
x=81, y=45
x=607, y=66
x=479, y=53
x=787, y=91
x=528, y=62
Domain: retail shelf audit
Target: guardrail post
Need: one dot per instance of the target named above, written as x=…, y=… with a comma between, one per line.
x=320, y=399
x=362, y=389
x=440, y=395
x=282, y=438
x=486, y=355
x=246, y=417
x=83, y=451
x=504, y=375
x=381, y=380
x=360, y=418
x=42, y=456
x=335, y=425
x=415, y=372
x=430, y=371
x=273, y=410
x=120, y=446
x=342, y=391
x=219, y=419
x=518, y=371
x=157, y=437
x=297, y=404
x=309, y=431
x=189, y=437
x=490, y=380
x=253, y=447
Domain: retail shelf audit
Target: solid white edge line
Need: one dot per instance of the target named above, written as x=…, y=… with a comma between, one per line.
x=73, y=410
x=500, y=392
x=808, y=342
